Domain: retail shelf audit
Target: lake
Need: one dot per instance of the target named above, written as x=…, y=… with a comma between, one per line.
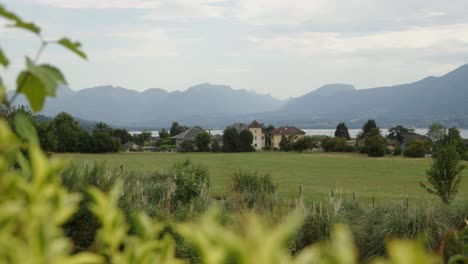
x=326, y=132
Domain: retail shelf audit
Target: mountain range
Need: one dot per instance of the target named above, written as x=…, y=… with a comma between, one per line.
x=433, y=99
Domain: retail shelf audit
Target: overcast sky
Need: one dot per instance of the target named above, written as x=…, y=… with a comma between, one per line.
x=282, y=47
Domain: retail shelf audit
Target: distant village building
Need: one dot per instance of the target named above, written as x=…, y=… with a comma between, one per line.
x=131, y=146
x=258, y=135
x=279, y=133
x=188, y=135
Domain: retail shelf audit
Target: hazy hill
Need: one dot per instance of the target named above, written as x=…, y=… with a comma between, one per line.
x=156, y=107
x=432, y=99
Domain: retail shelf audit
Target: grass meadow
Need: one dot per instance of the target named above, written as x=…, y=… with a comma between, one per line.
x=388, y=178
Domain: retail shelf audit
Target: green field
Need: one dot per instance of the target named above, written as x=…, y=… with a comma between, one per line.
x=318, y=173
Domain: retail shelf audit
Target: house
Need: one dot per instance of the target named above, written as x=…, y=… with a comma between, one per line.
x=131, y=146
x=258, y=136
x=279, y=133
x=188, y=135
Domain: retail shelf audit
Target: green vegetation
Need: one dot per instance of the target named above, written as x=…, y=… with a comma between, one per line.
x=45, y=207
x=318, y=173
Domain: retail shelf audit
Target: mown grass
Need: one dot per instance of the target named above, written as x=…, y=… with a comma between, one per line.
x=387, y=178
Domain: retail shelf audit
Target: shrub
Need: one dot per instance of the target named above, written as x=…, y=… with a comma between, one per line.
x=416, y=149
x=398, y=151
x=186, y=146
x=191, y=181
x=375, y=144
x=215, y=147
x=254, y=191
x=336, y=144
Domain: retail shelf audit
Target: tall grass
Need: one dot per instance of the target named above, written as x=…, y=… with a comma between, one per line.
x=182, y=193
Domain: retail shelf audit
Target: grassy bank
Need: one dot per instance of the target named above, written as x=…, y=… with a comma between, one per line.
x=318, y=173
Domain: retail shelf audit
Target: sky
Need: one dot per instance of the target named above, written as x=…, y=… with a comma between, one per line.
x=278, y=47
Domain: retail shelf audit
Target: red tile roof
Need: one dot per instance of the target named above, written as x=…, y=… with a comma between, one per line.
x=287, y=131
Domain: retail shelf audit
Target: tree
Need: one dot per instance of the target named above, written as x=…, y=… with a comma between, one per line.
x=338, y=144
x=215, y=147
x=399, y=133
x=303, y=144
x=123, y=135
x=66, y=130
x=102, y=127
x=444, y=176
x=416, y=149
x=286, y=144
x=142, y=138
x=368, y=126
x=436, y=134
x=45, y=132
x=267, y=130
x=164, y=134
x=176, y=129
x=454, y=138
x=246, y=140
x=375, y=144
x=342, y=131
x=186, y=146
x=231, y=140
x=103, y=142
x=202, y=141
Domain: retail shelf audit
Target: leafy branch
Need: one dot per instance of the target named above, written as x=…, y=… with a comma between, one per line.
x=37, y=81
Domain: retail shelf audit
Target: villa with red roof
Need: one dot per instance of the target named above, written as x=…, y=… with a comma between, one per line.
x=279, y=133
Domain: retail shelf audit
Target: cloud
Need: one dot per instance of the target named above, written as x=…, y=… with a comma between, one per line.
x=143, y=44
x=100, y=4
x=416, y=41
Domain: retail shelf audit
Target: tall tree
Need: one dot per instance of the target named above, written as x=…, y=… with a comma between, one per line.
x=342, y=131
x=367, y=127
x=436, y=133
x=163, y=134
x=102, y=127
x=399, y=133
x=444, y=176
x=246, y=140
x=202, y=141
x=267, y=130
x=66, y=131
x=123, y=134
x=375, y=145
x=231, y=140
x=176, y=129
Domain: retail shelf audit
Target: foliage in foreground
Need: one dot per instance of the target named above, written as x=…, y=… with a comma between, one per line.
x=34, y=205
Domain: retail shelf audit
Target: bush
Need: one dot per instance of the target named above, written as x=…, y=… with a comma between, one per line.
x=398, y=151
x=191, y=181
x=416, y=149
x=375, y=144
x=215, y=147
x=336, y=144
x=254, y=191
x=186, y=146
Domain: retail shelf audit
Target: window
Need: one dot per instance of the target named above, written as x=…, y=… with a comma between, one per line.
x=255, y=144
x=255, y=137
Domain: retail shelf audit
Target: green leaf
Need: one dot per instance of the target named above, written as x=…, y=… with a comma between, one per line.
x=25, y=128
x=50, y=76
x=3, y=59
x=38, y=82
x=73, y=46
x=18, y=22
x=33, y=88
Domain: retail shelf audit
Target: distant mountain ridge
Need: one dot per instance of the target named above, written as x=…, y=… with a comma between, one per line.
x=156, y=107
x=433, y=99
x=441, y=99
